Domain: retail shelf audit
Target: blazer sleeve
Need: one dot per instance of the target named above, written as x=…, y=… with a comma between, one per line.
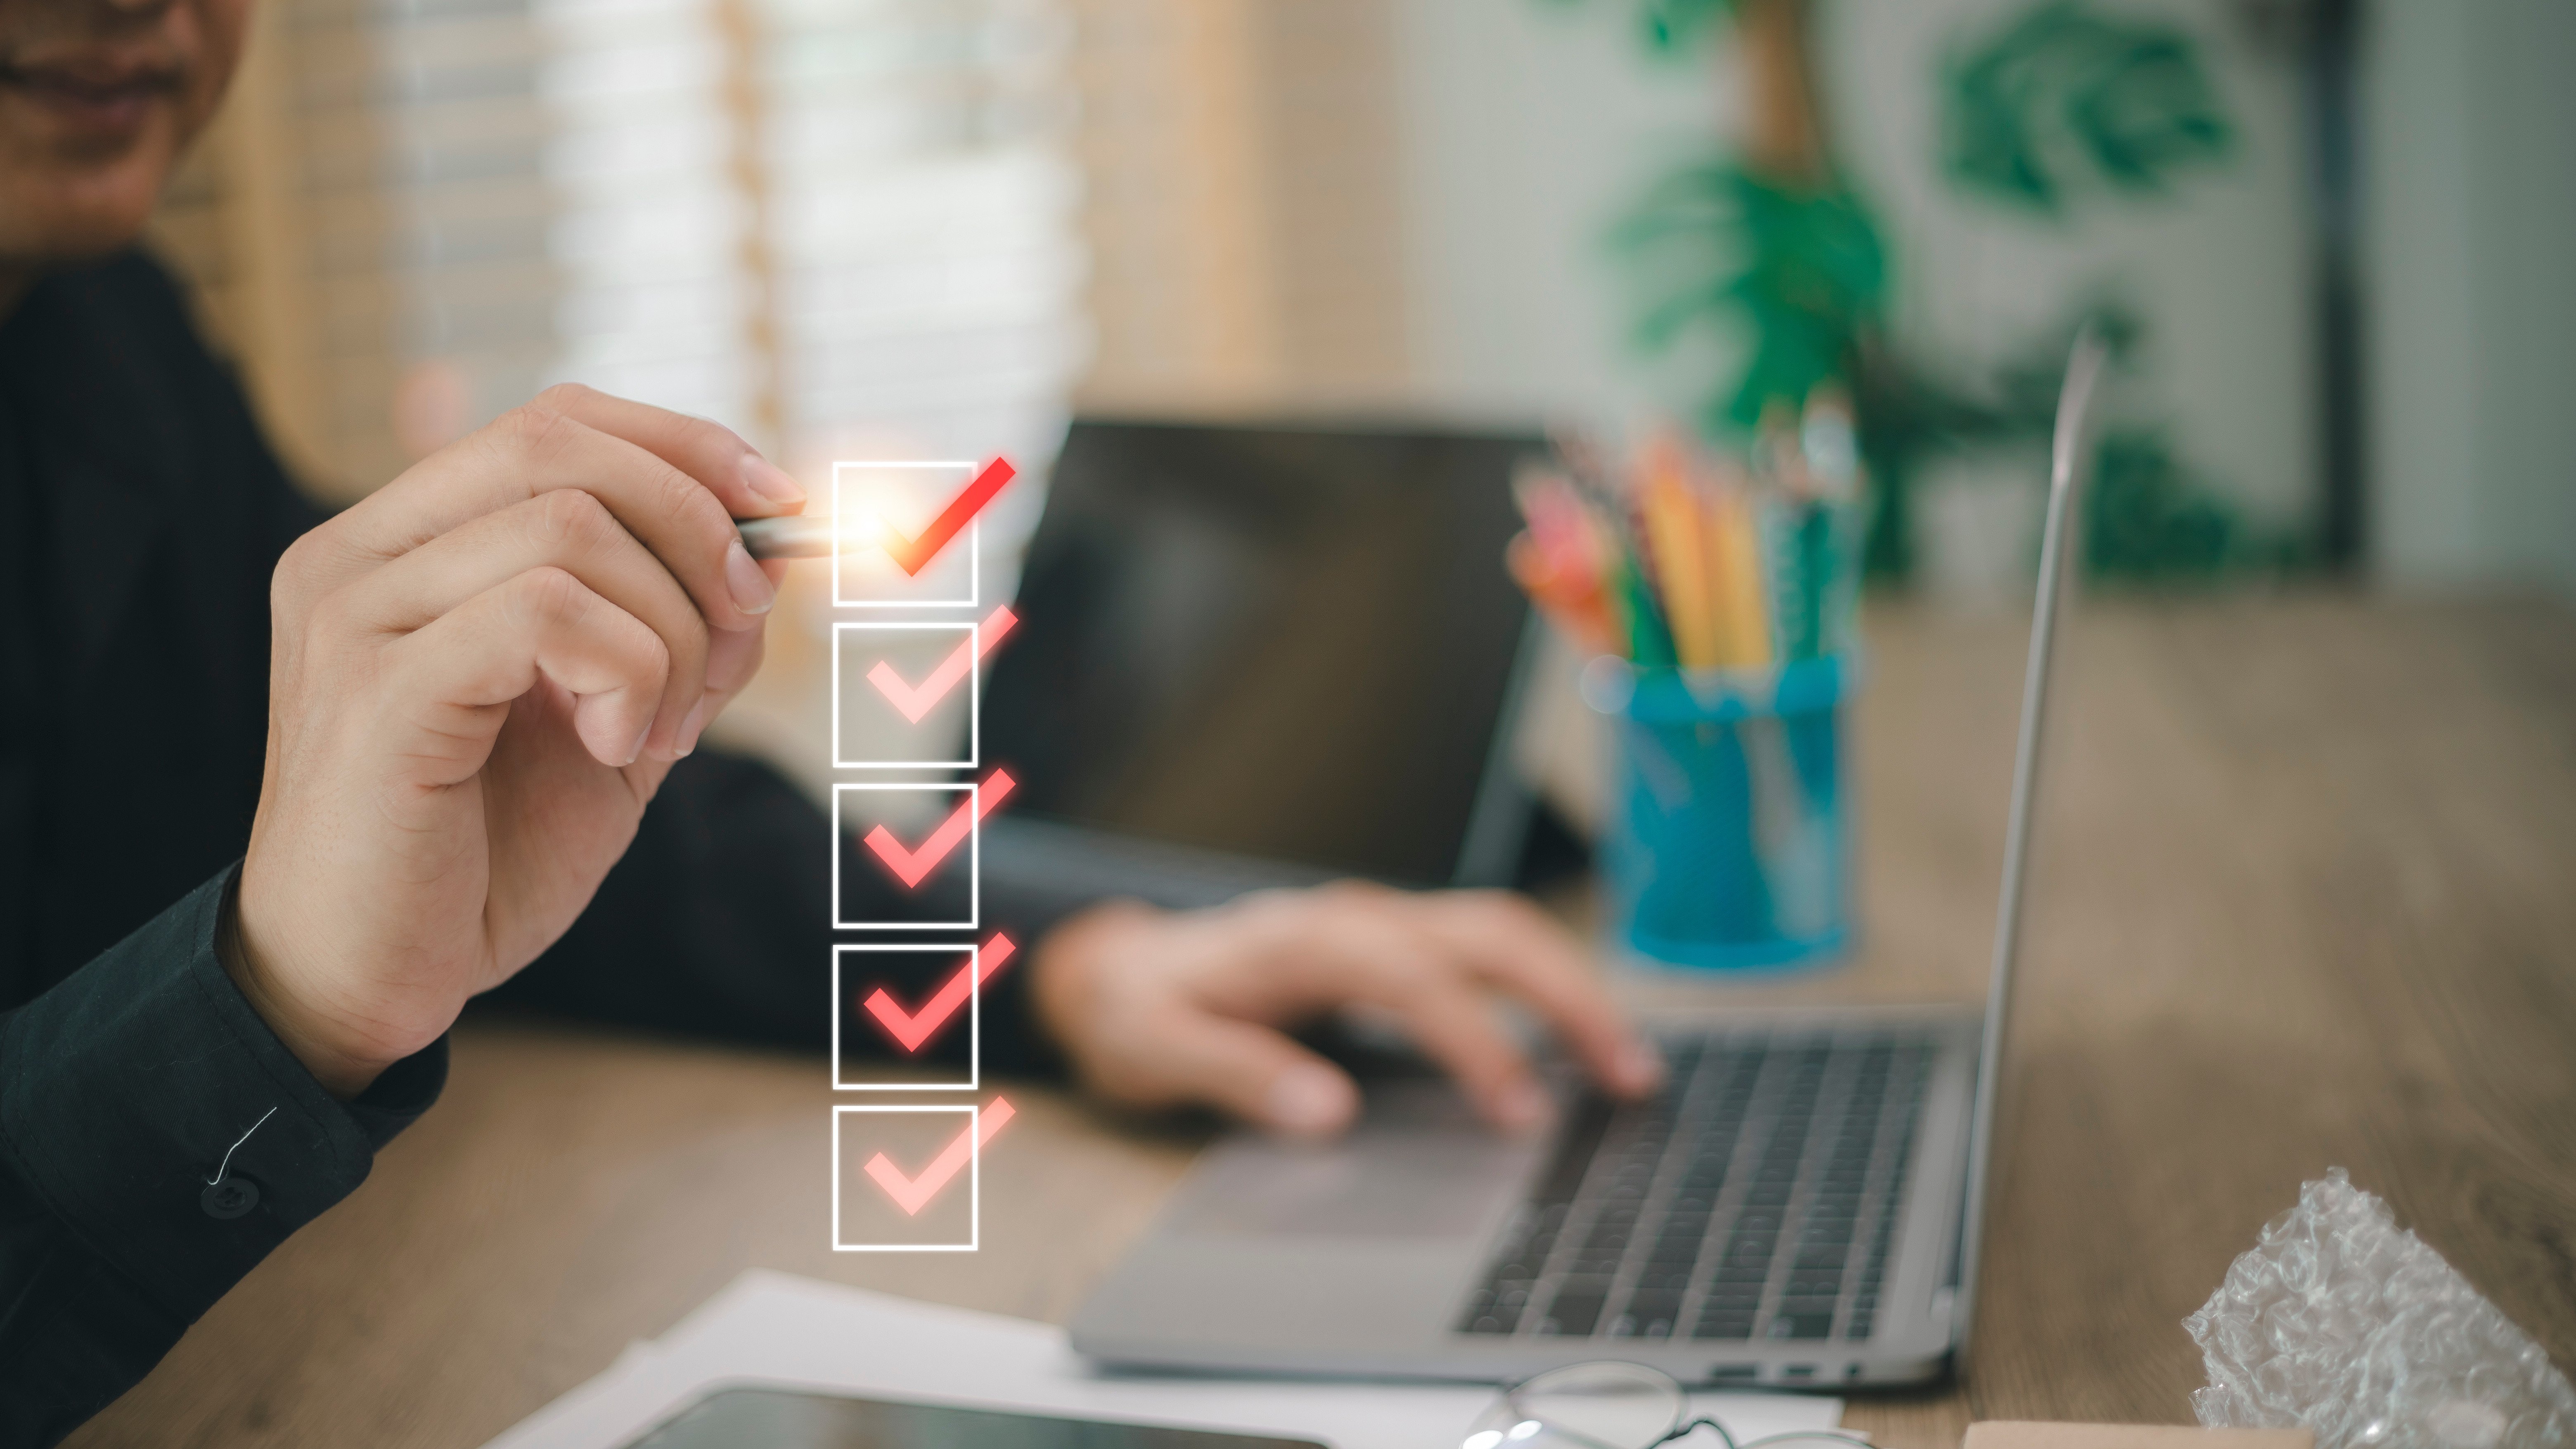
x=156, y=1142
x=718, y=920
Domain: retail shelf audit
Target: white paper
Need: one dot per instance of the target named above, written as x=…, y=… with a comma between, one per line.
x=774, y=1328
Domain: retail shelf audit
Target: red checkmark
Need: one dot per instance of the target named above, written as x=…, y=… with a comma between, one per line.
x=914, y=702
x=912, y=1194
x=912, y=553
x=910, y=1031
x=909, y=866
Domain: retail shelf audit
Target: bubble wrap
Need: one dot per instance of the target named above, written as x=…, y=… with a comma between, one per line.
x=2341, y=1322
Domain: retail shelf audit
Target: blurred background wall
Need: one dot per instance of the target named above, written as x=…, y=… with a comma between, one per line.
x=938, y=226
x=2470, y=235
x=816, y=221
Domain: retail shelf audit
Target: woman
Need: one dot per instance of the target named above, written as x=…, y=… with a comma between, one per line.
x=279, y=793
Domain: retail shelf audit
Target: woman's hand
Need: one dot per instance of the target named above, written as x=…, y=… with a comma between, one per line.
x=478, y=677
x=1157, y=1009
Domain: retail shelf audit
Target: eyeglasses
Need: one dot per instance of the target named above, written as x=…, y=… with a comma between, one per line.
x=1611, y=1405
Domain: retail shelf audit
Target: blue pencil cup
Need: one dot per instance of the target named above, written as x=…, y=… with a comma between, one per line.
x=1729, y=845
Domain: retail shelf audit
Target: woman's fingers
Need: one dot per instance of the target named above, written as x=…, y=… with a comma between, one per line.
x=567, y=529
x=1366, y=950
x=1162, y=1008
x=733, y=657
x=454, y=678
x=636, y=501
x=1506, y=942
x=747, y=484
x=530, y=452
x=1179, y=1053
x=1428, y=957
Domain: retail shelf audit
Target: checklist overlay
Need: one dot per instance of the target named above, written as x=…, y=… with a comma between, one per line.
x=912, y=955
x=918, y=1003
x=909, y=1178
x=899, y=690
x=893, y=526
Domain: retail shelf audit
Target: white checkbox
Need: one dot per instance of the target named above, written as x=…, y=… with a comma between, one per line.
x=855, y=970
x=870, y=1209
x=905, y=495
x=918, y=844
x=870, y=693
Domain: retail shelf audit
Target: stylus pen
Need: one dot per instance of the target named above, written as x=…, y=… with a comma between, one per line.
x=798, y=537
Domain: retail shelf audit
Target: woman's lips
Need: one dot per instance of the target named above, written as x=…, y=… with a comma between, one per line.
x=92, y=99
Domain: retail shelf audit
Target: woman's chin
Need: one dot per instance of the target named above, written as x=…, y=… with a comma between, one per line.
x=63, y=208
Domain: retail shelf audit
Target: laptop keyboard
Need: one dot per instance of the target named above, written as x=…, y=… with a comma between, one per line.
x=1756, y=1198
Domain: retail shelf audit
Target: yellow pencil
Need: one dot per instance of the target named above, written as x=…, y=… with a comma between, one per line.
x=1735, y=557
x=1681, y=565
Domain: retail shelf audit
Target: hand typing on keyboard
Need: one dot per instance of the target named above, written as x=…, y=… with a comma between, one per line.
x=1159, y=1008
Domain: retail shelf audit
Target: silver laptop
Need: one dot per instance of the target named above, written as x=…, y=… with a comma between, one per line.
x=1802, y=1204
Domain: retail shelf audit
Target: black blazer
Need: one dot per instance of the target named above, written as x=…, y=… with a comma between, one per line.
x=140, y=518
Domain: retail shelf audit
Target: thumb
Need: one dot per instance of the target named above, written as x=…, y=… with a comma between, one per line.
x=1241, y=1067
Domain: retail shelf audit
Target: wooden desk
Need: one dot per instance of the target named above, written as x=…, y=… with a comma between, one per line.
x=2306, y=897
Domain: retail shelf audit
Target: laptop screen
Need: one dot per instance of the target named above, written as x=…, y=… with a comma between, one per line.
x=1286, y=643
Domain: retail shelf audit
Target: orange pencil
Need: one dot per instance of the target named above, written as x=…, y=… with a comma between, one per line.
x=1576, y=605
x=1735, y=569
x=1677, y=535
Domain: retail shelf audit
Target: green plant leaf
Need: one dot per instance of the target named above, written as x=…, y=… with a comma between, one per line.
x=1672, y=26
x=2063, y=84
x=1711, y=241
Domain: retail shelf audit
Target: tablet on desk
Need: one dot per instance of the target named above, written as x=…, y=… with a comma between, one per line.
x=757, y=1418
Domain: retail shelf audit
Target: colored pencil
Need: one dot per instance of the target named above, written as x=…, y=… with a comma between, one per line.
x=1682, y=559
